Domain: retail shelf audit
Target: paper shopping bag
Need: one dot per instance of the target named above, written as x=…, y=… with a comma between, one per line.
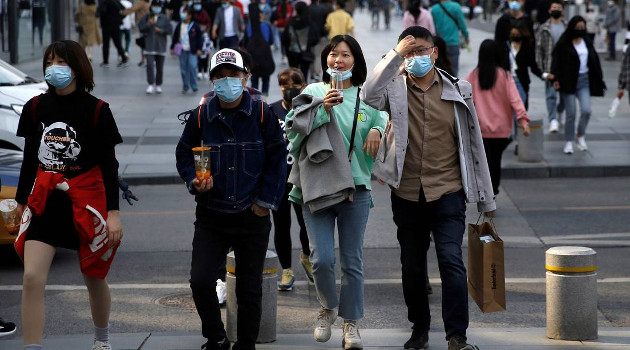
x=486, y=270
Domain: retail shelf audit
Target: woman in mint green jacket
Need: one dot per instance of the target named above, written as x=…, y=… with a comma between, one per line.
x=344, y=54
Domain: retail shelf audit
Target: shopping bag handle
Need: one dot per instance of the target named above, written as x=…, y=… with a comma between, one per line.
x=488, y=219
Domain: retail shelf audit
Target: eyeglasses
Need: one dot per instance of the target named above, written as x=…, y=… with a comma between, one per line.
x=421, y=51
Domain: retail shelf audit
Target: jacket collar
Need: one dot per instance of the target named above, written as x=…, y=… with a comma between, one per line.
x=450, y=92
x=244, y=108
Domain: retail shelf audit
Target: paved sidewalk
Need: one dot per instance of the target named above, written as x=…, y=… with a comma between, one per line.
x=485, y=338
x=151, y=130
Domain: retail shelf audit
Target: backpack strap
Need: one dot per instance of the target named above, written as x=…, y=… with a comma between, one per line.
x=34, y=109
x=97, y=111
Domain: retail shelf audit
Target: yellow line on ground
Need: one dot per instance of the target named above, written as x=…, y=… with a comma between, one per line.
x=168, y=212
x=603, y=207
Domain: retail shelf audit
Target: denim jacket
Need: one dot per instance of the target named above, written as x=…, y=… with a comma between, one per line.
x=248, y=165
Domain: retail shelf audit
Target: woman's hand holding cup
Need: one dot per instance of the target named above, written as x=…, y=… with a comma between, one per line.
x=204, y=185
x=332, y=98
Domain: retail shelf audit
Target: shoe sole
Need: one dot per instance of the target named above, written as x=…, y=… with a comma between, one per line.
x=343, y=345
x=6, y=334
x=285, y=289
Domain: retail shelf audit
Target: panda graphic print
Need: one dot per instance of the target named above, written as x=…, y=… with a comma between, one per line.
x=58, y=149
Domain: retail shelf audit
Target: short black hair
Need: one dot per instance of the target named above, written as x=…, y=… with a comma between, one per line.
x=359, y=72
x=559, y=2
x=417, y=32
x=75, y=56
x=341, y=3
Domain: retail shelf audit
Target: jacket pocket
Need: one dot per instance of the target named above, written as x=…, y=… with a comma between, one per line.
x=215, y=160
x=253, y=158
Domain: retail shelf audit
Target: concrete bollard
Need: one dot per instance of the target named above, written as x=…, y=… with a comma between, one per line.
x=267, y=332
x=530, y=148
x=571, y=293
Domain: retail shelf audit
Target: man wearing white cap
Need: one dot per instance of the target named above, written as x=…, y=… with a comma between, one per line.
x=248, y=167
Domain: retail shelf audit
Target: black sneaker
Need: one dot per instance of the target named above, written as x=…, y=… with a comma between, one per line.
x=419, y=340
x=123, y=63
x=458, y=342
x=220, y=345
x=6, y=328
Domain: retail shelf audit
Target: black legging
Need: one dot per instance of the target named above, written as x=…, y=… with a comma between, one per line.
x=494, y=151
x=282, y=229
x=114, y=35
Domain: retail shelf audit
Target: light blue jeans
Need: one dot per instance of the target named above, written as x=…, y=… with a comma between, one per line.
x=351, y=220
x=553, y=106
x=583, y=94
x=452, y=52
x=523, y=95
x=188, y=69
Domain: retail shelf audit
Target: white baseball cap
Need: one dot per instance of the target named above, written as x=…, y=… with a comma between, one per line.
x=227, y=56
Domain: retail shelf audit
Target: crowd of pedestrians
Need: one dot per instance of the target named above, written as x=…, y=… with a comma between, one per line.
x=349, y=123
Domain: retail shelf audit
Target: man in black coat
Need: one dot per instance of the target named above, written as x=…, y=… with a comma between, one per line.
x=110, y=12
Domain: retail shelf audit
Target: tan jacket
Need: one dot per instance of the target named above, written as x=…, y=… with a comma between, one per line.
x=140, y=7
x=86, y=18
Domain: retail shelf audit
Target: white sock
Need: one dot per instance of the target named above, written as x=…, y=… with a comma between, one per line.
x=101, y=334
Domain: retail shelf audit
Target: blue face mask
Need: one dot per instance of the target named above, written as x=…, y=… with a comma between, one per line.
x=59, y=76
x=225, y=5
x=156, y=9
x=228, y=89
x=190, y=3
x=515, y=5
x=346, y=74
x=197, y=7
x=183, y=15
x=419, y=66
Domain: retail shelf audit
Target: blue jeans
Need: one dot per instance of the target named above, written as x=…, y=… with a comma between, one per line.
x=583, y=94
x=444, y=217
x=188, y=69
x=351, y=220
x=611, y=45
x=553, y=105
x=523, y=95
x=452, y=52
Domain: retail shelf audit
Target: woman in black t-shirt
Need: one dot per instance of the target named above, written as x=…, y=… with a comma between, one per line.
x=67, y=132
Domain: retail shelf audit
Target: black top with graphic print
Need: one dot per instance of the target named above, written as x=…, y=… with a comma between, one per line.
x=64, y=137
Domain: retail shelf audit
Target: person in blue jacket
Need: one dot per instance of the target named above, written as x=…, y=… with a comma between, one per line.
x=187, y=44
x=248, y=177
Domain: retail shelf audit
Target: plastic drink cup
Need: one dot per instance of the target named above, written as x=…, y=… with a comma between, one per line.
x=202, y=162
x=8, y=207
x=336, y=82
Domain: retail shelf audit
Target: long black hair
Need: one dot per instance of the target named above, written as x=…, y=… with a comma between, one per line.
x=414, y=9
x=569, y=33
x=359, y=72
x=442, y=61
x=489, y=61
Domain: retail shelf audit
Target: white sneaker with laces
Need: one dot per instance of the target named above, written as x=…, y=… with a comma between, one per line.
x=568, y=148
x=554, y=126
x=351, y=337
x=99, y=345
x=158, y=89
x=325, y=319
x=150, y=89
x=581, y=143
x=221, y=292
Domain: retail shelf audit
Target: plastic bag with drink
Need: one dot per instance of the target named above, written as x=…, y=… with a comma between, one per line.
x=8, y=207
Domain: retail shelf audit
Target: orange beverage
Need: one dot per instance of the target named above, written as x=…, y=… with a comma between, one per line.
x=202, y=162
x=8, y=207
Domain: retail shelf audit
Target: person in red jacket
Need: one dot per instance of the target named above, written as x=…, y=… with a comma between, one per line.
x=69, y=178
x=200, y=16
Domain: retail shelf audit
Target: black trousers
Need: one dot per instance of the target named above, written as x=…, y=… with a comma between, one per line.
x=248, y=235
x=445, y=218
x=282, y=229
x=295, y=61
x=494, y=151
x=114, y=35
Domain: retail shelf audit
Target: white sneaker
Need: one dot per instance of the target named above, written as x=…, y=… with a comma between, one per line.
x=351, y=337
x=221, y=292
x=581, y=143
x=568, y=148
x=150, y=89
x=205, y=76
x=199, y=76
x=325, y=319
x=554, y=126
x=158, y=89
x=99, y=345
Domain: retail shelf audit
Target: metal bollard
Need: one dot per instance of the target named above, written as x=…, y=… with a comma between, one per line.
x=571, y=293
x=530, y=148
x=267, y=332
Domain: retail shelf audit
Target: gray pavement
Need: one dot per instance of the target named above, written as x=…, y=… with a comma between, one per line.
x=485, y=338
x=151, y=130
